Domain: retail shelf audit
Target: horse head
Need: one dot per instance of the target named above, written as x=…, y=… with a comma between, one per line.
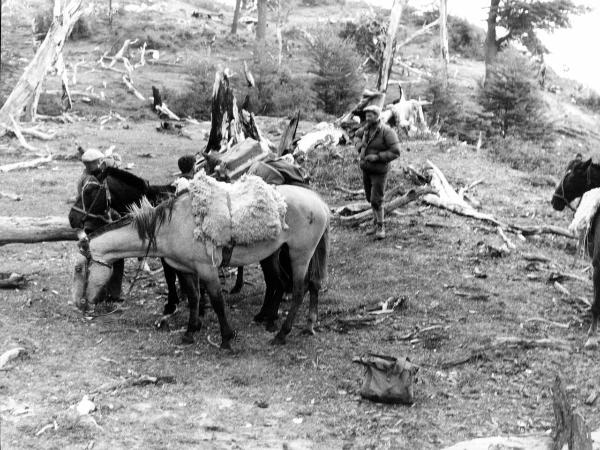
x=89, y=276
x=575, y=182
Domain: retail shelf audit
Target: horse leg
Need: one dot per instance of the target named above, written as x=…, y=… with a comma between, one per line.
x=172, y=298
x=189, y=285
x=592, y=340
x=313, y=310
x=239, y=281
x=213, y=286
x=298, y=276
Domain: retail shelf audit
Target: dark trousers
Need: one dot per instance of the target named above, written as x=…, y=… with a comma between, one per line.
x=113, y=288
x=374, y=184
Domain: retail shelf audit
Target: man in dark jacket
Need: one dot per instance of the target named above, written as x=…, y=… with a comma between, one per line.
x=94, y=201
x=378, y=146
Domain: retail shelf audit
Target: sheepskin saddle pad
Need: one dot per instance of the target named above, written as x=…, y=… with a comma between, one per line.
x=240, y=213
x=584, y=216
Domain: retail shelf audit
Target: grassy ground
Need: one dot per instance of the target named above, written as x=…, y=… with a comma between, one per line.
x=305, y=393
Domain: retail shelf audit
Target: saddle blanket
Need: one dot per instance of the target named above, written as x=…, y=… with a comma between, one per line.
x=240, y=213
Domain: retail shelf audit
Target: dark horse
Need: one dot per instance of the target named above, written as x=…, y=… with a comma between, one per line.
x=580, y=177
x=127, y=189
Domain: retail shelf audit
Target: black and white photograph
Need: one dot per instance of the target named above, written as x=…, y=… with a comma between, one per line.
x=299, y=224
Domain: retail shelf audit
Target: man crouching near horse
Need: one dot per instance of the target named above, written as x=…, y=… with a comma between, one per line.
x=378, y=146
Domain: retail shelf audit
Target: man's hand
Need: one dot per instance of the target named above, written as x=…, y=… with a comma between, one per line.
x=372, y=158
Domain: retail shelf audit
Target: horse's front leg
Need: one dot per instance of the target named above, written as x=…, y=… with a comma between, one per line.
x=172, y=298
x=239, y=281
x=592, y=341
x=213, y=286
x=189, y=284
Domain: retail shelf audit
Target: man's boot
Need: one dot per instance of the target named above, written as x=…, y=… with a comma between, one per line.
x=373, y=227
x=380, y=227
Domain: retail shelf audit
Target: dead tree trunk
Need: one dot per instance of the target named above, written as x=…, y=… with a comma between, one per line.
x=26, y=92
x=236, y=17
x=28, y=230
x=261, y=26
x=444, y=56
x=388, y=54
x=571, y=428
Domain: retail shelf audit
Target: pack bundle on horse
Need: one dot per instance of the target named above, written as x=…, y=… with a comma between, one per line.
x=121, y=190
x=172, y=230
x=580, y=178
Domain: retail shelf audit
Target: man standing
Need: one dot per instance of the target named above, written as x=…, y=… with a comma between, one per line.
x=93, y=198
x=378, y=146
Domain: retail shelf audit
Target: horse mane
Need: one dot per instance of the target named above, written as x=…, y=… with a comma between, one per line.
x=127, y=177
x=147, y=219
x=111, y=226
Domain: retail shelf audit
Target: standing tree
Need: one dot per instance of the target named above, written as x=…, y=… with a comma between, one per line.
x=236, y=17
x=522, y=19
x=261, y=25
x=444, y=55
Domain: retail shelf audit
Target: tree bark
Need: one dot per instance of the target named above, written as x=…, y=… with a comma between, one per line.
x=28, y=230
x=27, y=88
x=261, y=26
x=444, y=55
x=491, y=50
x=236, y=17
x=388, y=54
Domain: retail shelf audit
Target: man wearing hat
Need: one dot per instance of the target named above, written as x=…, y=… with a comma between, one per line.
x=92, y=197
x=378, y=146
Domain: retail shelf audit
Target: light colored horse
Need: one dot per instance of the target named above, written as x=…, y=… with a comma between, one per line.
x=168, y=231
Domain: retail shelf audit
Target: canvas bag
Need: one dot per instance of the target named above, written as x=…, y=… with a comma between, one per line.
x=387, y=379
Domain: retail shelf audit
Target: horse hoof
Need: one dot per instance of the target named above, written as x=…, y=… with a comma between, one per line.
x=226, y=345
x=162, y=324
x=259, y=318
x=591, y=344
x=271, y=327
x=187, y=338
x=169, y=309
x=277, y=340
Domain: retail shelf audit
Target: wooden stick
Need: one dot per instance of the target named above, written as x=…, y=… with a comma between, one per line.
x=549, y=322
x=10, y=196
x=424, y=30
x=508, y=242
x=410, y=196
x=131, y=88
x=17, y=130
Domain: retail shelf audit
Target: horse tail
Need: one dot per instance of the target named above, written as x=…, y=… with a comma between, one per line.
x=317, y=269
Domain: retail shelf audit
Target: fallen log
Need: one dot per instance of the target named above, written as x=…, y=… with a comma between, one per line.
x=28, y=230
x=530, y=230
x=410, y=196
x=26, y=164
x=10, y=196
x=12, y=281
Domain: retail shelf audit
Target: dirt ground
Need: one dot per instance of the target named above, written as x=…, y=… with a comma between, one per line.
x=303, y=395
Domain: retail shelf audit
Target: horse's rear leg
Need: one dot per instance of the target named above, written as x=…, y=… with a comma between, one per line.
x=592, y=341
x=299, y=273
x=239, y=281
x=313, y=310
x=172, y=298
x=213, y=287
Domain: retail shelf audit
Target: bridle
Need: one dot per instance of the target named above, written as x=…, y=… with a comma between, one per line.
x=562, y=189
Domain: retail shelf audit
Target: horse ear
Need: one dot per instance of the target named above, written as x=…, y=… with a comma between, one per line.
x=579, y=157
x=588, y=163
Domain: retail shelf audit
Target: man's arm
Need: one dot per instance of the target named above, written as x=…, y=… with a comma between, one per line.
x=393, y=146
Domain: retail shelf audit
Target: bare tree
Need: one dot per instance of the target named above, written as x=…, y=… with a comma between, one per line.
x=444, y=56
x=261, y=26
x=236, y=16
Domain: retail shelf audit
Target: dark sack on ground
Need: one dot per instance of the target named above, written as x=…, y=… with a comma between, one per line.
x=387, y=379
